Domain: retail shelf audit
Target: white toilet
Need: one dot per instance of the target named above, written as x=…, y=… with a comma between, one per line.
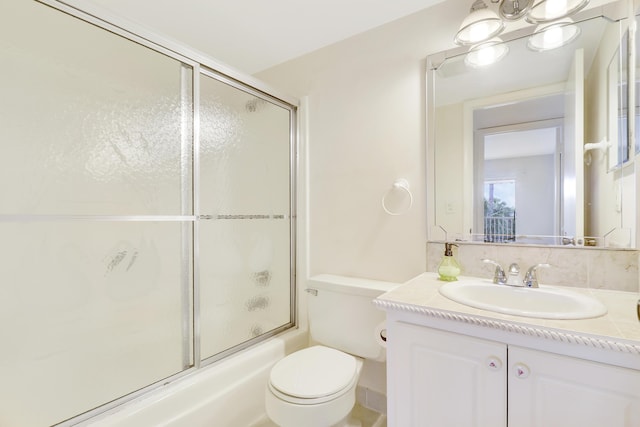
x=316, y=386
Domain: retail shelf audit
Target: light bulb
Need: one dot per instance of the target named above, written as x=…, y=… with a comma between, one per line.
x=486, y=53
x=555, y=8
x=552, y=37
x=479, y=31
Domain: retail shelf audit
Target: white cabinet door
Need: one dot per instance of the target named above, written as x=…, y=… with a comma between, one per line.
x=551, y=390
x=442, y=379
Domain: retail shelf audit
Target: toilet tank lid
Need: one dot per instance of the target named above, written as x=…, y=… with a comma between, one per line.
x=352, y=285
x=314, y=372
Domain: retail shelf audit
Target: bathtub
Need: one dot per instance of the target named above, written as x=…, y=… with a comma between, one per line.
x=229, y=393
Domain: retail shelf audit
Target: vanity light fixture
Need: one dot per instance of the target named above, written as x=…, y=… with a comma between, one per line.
x=486, y=53
x=483, y=24
x=553, y=35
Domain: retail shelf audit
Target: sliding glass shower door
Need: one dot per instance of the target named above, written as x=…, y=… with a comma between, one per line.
x=145, y=215
x=245, y=237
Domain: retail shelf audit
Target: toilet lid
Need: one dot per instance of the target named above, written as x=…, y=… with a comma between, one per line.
x=313, y=372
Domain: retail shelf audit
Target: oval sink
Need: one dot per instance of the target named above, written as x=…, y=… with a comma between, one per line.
x=545, y=302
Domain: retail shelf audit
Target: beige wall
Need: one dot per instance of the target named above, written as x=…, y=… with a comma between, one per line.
x=366, y=103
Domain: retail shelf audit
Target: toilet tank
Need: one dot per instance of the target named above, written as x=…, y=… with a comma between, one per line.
x=342, y=315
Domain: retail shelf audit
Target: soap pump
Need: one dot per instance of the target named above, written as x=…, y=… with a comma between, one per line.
x=449, y=269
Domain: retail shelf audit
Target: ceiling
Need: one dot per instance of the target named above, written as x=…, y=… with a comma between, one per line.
x=253, y=35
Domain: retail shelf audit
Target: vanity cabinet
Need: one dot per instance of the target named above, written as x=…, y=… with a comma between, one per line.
x=437, y=378
x=440, y=378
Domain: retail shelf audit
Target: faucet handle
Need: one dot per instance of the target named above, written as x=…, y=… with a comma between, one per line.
x=499, y=277
x=531, y=278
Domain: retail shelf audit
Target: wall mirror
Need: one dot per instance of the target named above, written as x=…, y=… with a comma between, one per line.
x=527, y=150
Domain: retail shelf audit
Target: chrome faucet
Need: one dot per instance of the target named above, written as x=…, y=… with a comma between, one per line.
x=531, y=278
x=512, y=277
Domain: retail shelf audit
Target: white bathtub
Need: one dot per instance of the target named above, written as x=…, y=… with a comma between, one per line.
x=229, y=393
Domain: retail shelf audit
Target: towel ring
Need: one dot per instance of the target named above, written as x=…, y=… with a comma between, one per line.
x=400, y=185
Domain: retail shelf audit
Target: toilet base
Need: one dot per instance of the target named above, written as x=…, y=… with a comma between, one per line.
x=326, y=414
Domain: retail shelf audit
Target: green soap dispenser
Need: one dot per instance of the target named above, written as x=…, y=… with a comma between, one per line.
x=449, y=269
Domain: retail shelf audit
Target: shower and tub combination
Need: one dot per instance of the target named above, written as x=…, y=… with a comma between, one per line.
x=147, y=215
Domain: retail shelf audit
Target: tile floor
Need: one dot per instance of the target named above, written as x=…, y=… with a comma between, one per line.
x=367, y=418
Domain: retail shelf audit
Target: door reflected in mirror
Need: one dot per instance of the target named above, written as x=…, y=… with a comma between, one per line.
x=518, y=170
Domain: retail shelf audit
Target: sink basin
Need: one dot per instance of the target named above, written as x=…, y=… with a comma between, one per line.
x=545, y=302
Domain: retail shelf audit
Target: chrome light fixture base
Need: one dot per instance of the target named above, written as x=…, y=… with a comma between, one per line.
x=512, y=10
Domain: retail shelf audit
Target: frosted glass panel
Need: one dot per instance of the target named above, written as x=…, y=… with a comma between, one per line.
x=244, y=189
x=90, y=123
x=89, y=311
x=244, y=273
x=244, y=152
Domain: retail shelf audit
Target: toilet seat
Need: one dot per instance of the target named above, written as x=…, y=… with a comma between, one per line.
x=313, y=375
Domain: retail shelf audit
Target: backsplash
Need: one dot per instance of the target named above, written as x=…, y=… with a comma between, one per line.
x=581, y=267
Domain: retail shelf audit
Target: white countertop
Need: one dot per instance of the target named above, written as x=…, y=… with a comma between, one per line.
x=618, y=330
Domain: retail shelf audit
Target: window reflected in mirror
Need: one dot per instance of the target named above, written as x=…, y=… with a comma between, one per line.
x=500, y=210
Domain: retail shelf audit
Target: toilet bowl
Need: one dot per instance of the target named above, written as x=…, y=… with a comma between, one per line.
x=313, y=387
x=316, y=386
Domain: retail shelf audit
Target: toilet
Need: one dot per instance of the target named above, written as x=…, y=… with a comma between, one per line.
x=316, y=386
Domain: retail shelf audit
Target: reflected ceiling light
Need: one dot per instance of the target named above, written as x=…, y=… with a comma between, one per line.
x=551, y=10
x=479, y=26
x=553, y=35
x=486, y=53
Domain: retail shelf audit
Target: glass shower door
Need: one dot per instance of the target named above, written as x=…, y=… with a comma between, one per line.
x=95, y=216
x=145, y=215
x=245, y=255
